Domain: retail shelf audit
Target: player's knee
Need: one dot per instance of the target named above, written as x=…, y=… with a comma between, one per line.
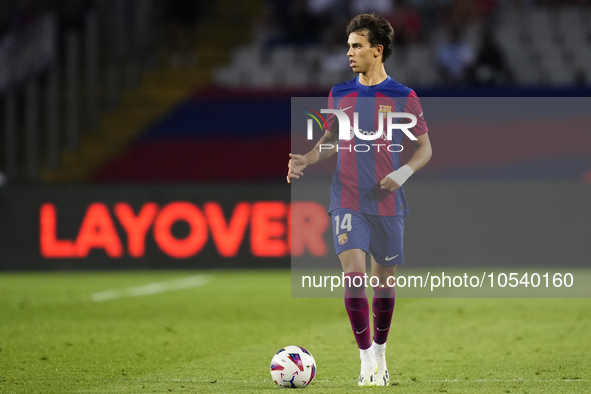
x=384, y=291
x=354, y=283
x=352, y=260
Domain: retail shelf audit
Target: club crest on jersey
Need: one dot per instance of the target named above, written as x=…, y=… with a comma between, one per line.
x=343, y=239
x=384, y=109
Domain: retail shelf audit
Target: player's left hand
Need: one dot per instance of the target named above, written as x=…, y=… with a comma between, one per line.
x=389, y=184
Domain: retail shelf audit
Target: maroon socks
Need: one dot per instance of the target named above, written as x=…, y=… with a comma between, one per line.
x=357, y=308
x=383, y=308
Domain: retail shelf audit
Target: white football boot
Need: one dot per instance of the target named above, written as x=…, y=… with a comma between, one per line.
x=382, y=376
x=367, y=377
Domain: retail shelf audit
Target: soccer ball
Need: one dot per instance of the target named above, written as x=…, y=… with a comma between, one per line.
x=293, y=367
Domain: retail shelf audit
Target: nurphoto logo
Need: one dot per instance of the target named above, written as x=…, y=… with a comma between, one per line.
x=347, y=131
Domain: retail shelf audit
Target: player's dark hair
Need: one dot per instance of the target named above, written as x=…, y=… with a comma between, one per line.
x=379, y=31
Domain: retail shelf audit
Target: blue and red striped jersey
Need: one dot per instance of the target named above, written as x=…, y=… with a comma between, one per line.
x=356, y=181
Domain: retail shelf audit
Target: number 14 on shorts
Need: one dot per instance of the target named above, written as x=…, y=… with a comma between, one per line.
x=344, y=225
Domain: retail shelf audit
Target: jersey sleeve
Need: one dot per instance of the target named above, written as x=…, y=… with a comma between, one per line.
x=413, y=106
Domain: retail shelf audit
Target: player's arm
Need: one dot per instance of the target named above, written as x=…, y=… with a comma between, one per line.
x=325, y=148
x=422, y=153
x=418, y=160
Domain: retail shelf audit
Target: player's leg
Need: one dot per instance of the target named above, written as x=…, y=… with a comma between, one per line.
x=386, y=253
x=382, y=310
x=383, y=300
x=351, y=240
x=357, y=306
x=356, y=303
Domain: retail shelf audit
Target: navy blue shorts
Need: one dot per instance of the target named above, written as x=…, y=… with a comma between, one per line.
x=381, y=236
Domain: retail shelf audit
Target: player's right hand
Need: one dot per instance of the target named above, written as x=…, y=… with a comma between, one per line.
x=296, y=165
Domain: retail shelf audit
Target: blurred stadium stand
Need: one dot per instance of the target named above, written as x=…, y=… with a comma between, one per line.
x=79, y=79
x=544, y=44
x=101, y=77
x=234, y=130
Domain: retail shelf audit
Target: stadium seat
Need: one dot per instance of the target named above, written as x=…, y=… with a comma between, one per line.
x=263, y=77
x=283, y=58
x=296, y=76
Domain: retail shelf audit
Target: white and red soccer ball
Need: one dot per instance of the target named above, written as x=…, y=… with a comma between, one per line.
x=293, y=367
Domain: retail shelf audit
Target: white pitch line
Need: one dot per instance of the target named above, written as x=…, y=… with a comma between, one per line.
x=152, y=288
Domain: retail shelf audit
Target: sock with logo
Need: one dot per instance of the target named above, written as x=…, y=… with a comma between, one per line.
x=357, y=308
x=383, y=308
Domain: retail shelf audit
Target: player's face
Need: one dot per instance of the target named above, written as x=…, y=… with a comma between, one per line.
x=361, y=54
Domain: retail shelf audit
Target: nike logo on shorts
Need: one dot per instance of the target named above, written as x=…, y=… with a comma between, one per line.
x=392, y=258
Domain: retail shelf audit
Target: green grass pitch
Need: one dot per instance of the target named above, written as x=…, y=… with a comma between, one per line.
x=220, y=337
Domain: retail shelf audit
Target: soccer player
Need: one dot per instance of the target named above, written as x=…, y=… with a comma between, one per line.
x=368, y=204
